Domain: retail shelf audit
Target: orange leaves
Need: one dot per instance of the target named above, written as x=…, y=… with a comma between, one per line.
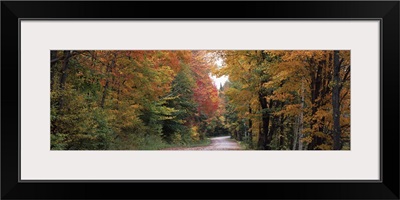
x=205, y=92
x=295, y=84
x=102, y=82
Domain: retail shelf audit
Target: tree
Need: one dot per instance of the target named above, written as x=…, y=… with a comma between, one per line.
x=294, y=91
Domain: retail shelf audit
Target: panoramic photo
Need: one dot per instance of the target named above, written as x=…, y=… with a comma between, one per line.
x=200, y=100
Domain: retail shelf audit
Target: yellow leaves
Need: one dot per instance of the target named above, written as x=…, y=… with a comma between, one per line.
x=166, y=117
x=231, y=92
x=135, y=106
x=324, y=147
x=237, y=96
x=138, y=75
x=307, y=139
x=177, y=138
x=323, y=114
x=269, y=84
x=290, y=110
x=124, y=118
x=194, y=134
x=346, y=55
x=284, y=74
x=319, y=134
x=167, y=72
x=282, y=96
x=254, y=102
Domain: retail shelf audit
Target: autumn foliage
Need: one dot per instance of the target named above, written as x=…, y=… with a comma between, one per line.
x=153, y=99
x=288, y=100
x=130, y=99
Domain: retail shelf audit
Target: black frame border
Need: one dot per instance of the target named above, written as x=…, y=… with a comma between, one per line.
x=387, y=12
x=205, y=181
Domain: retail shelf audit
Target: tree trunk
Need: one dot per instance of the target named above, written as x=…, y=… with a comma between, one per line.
x=53, y=70
x=63, y=79
x=103, y=98
x=263, y=142
x=274, y=127
x=281, y=135
x=108, y=71
x=295, y=132
x=64, y=74
x=267, y=119
x=250, y=129
x=300, y=135
x=316, y=83
x=335, y=101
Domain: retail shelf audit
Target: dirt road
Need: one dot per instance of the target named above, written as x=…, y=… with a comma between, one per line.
x=217, y=143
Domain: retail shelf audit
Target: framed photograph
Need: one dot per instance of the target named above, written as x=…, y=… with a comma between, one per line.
x=116, y=99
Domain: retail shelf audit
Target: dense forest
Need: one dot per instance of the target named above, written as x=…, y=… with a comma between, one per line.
x=155, y=99
x=288, y=100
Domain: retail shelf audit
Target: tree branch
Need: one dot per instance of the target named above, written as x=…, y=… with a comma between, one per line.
x=341, y=99
x=347, y=74
x=74, y=53
x=345, y=77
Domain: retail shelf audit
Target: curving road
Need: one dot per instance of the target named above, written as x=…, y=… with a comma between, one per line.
x=217, y=143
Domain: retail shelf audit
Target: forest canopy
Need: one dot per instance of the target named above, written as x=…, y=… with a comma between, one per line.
x=160, y=99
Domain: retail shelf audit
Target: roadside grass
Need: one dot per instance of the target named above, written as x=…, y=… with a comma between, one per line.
x=161, y=146
x=199, y=143
x=243, y=145
x=151, y=142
